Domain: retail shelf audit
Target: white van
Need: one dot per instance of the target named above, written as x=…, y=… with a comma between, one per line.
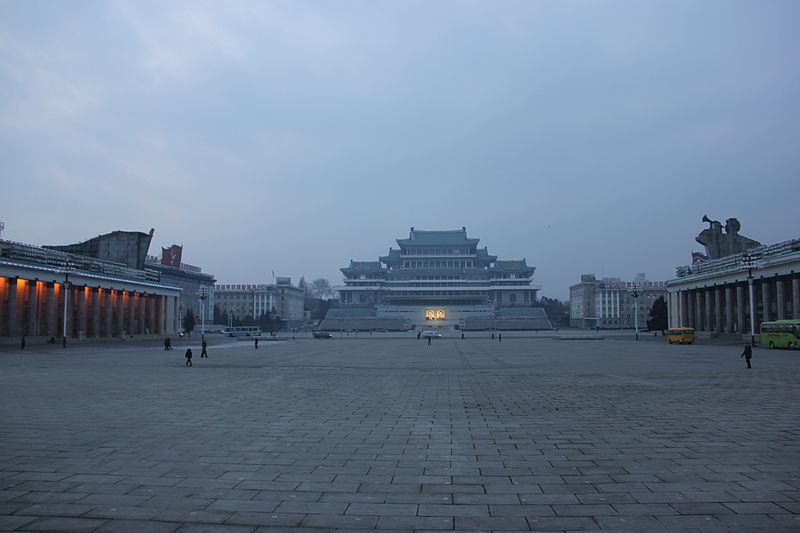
x=430, y=334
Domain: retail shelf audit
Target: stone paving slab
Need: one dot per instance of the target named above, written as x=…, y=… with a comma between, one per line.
x=391, y=434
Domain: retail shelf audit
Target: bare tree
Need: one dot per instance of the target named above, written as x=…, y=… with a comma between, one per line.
x=320, y=288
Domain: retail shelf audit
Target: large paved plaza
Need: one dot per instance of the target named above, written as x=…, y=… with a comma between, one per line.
x=393, y=434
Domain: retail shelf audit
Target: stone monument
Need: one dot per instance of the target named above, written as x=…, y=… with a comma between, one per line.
x=719, y=244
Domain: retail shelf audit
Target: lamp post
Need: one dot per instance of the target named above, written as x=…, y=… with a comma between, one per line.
x=203, y=295
x=748, y=259
x=66, y=302
x=635, y=294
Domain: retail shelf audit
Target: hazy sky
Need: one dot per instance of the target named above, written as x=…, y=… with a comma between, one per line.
x=293, y=136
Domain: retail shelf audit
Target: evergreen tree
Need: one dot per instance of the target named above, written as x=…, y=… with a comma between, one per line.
x=658, y=315
x=557, y=311
x=189, y=322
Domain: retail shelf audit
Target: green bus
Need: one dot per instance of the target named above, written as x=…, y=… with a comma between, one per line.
x=781, y=334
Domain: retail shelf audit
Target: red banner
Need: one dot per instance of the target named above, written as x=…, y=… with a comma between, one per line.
x=172, y=256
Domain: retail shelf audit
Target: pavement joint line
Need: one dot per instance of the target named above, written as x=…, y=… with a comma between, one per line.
x=528, y=433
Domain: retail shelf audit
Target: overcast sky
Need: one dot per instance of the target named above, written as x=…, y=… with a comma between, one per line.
x=586, y=137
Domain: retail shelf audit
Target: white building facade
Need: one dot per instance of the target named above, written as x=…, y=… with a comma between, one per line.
x=611, y=303
x=281, y=299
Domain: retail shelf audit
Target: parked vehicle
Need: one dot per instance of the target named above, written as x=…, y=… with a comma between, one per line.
x=322, y=335
x=430, y=334
x=242, y=331
x=781, y=334
x=680, y=336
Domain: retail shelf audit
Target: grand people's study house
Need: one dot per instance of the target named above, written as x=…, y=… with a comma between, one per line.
x=437, y=279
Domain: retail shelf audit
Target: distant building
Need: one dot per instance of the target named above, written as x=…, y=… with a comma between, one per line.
x=197, y=288
x=714, y=297
x=438, y=278
x=96, y=289
x=609, y=302
x=254, y=300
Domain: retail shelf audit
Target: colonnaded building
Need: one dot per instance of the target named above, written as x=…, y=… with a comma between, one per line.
x=611, y=303
x=437, y=279
x=713, y=296
x=247, y=300
x=93, y=289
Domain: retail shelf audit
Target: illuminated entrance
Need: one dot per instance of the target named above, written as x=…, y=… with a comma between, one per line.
x=435, y=314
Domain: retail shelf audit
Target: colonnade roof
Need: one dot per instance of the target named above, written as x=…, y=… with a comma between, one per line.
x=759, y=258
x=74, y=262
x=20, y=256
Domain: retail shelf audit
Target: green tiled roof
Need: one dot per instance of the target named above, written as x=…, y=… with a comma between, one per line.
x=437, y=238
x=363, y=266
x=511, y=265
x=391, y=257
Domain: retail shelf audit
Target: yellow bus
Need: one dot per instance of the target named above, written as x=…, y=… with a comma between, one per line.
x=781, y=334
x=680, y=335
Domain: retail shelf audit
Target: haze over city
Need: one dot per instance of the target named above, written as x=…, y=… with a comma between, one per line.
x=291, y=137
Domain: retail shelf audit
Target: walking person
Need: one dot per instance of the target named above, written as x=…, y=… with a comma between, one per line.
x=167, y=344
x=256, y=343
x=419, y=333
x=22, y=344
x=204, y=344
x=747, y=354
x=493, y=335
x=429, y=341
x=188, y=357
x=462, y=335
x=499, y=337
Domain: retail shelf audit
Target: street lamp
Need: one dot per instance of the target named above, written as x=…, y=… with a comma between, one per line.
x=203, y=295
x=66, y=302
x=635, y=294
x=748, y=259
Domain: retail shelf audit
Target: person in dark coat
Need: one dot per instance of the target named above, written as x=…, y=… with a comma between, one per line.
x=188, y=357
x=499, y=337
x=256, y=343
x=429, y=341
x=204, y=353
x=167, y=344
x=747, y=354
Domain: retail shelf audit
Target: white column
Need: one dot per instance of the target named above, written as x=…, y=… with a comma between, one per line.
x=50, y=310
x=33, y=309
x=83, y=322
x=729, y=319
x=741, y=305
x=12, y=307
x=120, y=329
x=765, y=302
x=131, y=313
x=95, y=298
x=684, y=322
x=779, y=286
x=109, y=313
